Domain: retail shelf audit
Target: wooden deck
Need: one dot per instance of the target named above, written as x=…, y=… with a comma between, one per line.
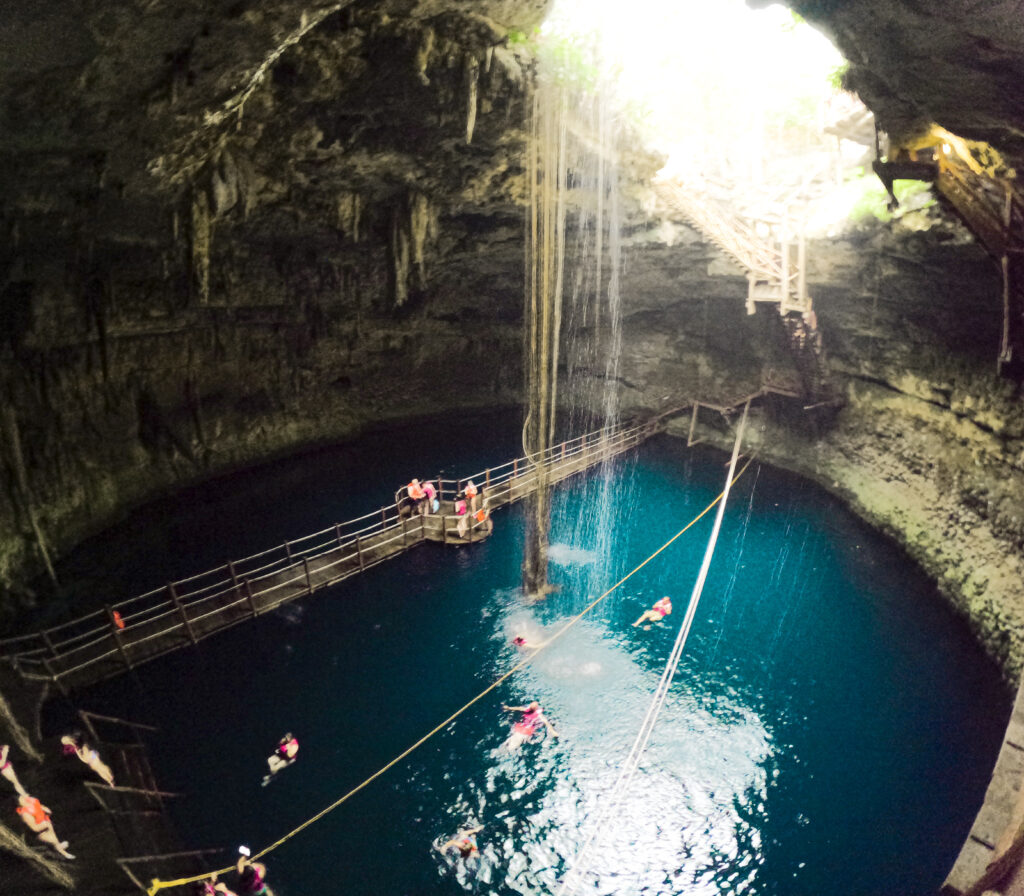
x=122, y=636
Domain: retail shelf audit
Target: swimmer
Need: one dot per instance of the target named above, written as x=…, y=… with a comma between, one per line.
x=659, y=611
x=211, y=887
x=37, y=817
x=75, y=743
x=7, y=770
x=527, y=726
x=252, y=876
x=282, y=757
x=464, y=841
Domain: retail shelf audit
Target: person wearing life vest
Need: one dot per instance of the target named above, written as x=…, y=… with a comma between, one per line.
x=252, y=876
x=432, y=505
x=659, y=611
x=283, y=756
x=530, y=722
x=418, y=495
x=211, y=887
x=37, y=817
x=465, y=842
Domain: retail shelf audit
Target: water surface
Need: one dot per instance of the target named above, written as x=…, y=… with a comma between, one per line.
x=831, y=729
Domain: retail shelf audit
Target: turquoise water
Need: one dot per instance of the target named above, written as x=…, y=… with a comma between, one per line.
x=831, y=729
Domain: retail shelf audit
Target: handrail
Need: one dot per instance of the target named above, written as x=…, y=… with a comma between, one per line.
x=170, y=600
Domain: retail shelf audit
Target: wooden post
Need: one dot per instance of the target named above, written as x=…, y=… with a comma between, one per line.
x=487, y=478
x=250, y=598
x=181, y=612
x=784, y=306
x=515, y=468
x=288, y=550
x=801, y=273
x=45, y=635
x=359, y=554
x=117, y=638
x=309, y=581
x=234, y=579
x=337, y=532
x=56, y=679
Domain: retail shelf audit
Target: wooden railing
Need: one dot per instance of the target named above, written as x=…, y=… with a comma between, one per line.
x=123, y=635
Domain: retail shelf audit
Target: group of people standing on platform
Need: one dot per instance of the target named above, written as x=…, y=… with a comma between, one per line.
x=470, y=505
x=36, y=816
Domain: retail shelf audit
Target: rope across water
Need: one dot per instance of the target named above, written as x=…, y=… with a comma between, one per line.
x=156, y=885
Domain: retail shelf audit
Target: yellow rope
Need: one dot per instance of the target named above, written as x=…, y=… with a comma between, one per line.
x=158, y=885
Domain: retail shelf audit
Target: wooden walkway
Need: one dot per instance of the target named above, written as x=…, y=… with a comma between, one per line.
x=122, y=636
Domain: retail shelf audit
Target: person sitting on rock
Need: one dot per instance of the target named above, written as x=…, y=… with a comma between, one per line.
x=37, y=817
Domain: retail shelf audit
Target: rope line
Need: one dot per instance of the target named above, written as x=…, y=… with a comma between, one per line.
x=636, y=751
x=156, y=885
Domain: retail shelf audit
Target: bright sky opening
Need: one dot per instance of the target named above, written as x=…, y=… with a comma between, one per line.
x=714, y=77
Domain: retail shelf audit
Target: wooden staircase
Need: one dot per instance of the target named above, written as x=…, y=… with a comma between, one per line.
x=776, y=274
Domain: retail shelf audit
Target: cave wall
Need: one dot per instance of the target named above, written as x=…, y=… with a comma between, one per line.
x=230, y=230
x=929, y=444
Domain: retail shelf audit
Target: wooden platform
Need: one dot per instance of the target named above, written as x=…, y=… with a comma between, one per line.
x=122, y=636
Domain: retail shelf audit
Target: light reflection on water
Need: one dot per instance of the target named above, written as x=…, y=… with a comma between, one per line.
x=677, y=824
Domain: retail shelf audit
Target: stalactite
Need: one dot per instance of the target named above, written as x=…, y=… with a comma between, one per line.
x=15, y=729
x=472, y=69
x=422, y=227
x=399, y=250
x=423, y=53
x=201, y=236
x=350, y=210
x=13, y=438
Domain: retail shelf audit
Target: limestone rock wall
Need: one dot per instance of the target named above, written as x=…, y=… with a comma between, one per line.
x=929, y=446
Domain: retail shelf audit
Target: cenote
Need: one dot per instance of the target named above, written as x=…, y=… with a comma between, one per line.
x=831, y=728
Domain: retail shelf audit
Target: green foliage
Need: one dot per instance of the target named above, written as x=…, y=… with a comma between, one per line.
x=794, y=22
x=873, y=202
x=837, y=77
x=570, y=60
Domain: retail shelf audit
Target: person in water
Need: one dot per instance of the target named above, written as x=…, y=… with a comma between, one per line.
x=7, y=770
x=528, y=725
x=465, y=842
x=659, y=611
x=37, y=817
x=211, y=887
x=75, y=743
x=283, y=756
x=252, y=876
